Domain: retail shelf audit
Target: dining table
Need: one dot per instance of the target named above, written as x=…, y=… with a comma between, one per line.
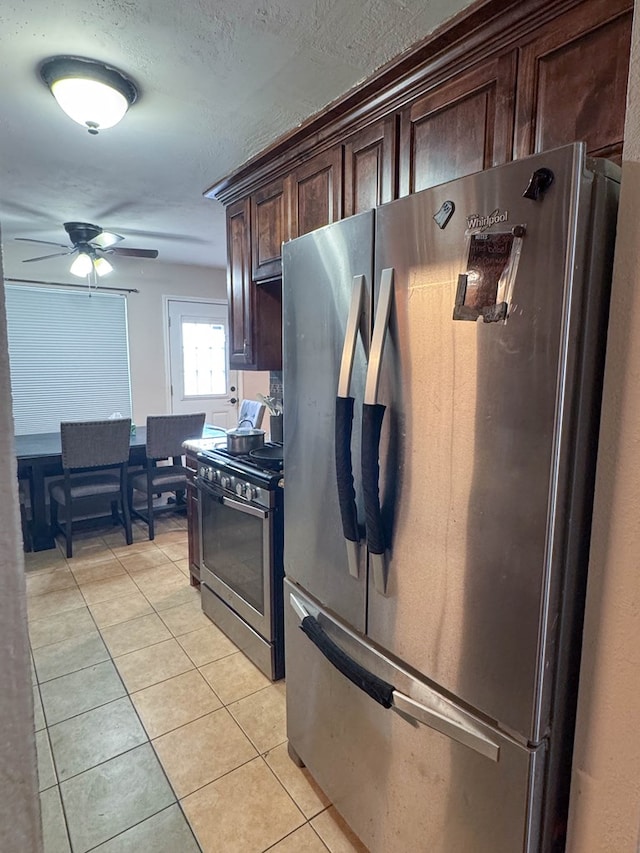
x=39, y=456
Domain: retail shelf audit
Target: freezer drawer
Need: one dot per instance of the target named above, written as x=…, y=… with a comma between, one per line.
x=451, y=784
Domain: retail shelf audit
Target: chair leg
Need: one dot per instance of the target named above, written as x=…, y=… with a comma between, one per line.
x=125, y=497
x=53, y=506
x=68, y=525
x=150, y=514
x=115, y=517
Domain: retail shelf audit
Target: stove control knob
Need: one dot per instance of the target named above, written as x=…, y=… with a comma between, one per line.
x=240, y=488
x=202, y=471
x=225, y=481
x=251, y=491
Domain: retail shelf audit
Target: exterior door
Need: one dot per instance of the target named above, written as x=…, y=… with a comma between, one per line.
x=198, y=354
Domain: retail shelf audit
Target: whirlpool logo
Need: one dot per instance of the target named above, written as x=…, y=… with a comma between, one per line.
x=476, y=222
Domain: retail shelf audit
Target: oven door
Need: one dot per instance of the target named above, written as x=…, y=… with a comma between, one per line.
x=236, y=555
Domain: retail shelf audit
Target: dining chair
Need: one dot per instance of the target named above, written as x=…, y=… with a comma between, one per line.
x=95, y=456
x=165, y=435
x=251, y=413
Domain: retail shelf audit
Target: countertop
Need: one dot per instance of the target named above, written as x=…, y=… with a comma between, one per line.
x=212, y=437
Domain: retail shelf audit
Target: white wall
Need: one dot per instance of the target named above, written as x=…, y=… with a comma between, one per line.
x=149, y=379
x=605, y=797
x=19, y=808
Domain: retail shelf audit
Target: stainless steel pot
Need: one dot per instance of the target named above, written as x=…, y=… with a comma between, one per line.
x=243, y=439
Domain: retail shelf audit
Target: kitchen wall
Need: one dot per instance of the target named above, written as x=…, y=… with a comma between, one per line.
x=256, y=382
x=19, y=806
x=149, y=379
x=605, y=801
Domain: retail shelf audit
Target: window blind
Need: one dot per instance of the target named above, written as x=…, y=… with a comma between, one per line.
x=69, y=356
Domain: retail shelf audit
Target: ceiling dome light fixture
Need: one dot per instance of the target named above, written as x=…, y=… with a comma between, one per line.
x=95, y=95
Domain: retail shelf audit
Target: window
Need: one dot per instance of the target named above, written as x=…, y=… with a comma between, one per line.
x=204, y=357
x=69, y=356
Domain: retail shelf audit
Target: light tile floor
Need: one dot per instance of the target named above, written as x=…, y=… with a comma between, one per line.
x=153, y=731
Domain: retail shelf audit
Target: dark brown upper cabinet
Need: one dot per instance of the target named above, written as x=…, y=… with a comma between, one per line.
x=239, y=289
x=506, y=78
x=370, y=167
x=316, y=192
x=460, y=127
x=572, y=81
x=269, y=228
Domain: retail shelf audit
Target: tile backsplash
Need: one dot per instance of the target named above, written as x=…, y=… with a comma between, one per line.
x=275, y=384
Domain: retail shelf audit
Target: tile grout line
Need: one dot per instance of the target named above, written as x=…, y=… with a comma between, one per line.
x=226, y=706
x=149, y=741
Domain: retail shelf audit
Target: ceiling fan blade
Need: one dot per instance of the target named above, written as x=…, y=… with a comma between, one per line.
x=134, y=253
x=106, y=239
x=164, y=235
x=44, y=257
x=44, y=242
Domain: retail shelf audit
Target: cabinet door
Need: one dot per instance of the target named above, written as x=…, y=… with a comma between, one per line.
x=239, y=289
x=572, y=81
x=370, y=167
x=316, y=192
x=269, y=227
x=461, y=127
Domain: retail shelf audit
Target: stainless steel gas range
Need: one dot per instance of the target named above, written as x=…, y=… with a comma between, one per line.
x=241, y=543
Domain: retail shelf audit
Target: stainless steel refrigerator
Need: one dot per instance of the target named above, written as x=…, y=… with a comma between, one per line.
x=442, y=373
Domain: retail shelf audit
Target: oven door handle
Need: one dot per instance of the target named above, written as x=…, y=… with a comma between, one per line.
x=248, y=509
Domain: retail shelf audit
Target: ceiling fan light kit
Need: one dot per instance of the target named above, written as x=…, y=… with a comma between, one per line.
x=82, y=266
x=94, y=95
x=102, y=266
x=90, y=243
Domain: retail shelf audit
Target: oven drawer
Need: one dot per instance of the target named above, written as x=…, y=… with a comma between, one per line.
x=267, y=656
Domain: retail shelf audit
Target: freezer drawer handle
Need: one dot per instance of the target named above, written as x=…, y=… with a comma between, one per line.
x=451, y=722
x=343, y=431
x=373, y=686
x=461, y=730
x=372, y=416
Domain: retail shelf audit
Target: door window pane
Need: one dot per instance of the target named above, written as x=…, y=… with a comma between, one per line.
x=203, y=358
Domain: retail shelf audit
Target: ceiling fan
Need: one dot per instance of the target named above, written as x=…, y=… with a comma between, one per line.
x=90, y=243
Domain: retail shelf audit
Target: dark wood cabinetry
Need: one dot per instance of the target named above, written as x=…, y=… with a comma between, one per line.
x=572, y=81
x=239, y=290
x=460, y=127
x=502, y=80
x=255, y=309
x=193, y=520
x=370, y=167
x=269, y=228
x=316, y=192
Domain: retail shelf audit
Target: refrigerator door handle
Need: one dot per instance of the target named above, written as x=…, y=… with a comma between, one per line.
x=442, y=715
x=372, y=415
x=343, y=430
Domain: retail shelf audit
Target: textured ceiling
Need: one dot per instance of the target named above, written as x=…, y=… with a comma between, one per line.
x=218, y=82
